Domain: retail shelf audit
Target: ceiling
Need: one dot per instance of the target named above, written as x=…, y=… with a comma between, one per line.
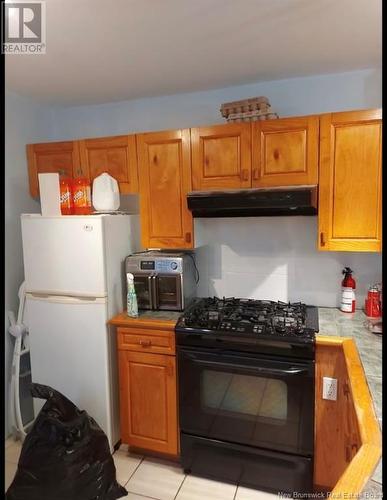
x=111, y=50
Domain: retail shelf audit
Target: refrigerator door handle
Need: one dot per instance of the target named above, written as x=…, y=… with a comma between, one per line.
x=66, y=299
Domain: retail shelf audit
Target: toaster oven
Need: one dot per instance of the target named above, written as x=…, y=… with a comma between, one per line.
x=163, y=281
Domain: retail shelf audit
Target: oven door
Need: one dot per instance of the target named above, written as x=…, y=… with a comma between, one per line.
x=144, y=290
x=168, y=292
x=244, y=399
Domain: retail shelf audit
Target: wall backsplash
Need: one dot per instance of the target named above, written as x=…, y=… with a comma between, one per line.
x=276, y=258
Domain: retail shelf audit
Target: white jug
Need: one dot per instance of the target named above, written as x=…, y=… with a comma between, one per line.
x=106, y=195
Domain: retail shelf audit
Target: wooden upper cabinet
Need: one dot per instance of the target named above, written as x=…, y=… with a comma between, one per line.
x=51, y=157
x=221, y=157
x=148, y=401
x=350, y=188
x=285, y=151
x=113, y=155
x=164, y=163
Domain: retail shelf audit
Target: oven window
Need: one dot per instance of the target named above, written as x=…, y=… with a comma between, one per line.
x=168, y=290
x=143, y=293
x=252, y=396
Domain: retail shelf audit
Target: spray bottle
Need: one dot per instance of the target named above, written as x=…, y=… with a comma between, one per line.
x=131, y=299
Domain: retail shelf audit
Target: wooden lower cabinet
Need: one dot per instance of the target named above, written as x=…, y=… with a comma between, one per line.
x=148, y=400
x=336, y=427
x=347, y=435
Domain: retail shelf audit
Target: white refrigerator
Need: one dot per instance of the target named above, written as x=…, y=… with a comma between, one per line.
x=75, y=282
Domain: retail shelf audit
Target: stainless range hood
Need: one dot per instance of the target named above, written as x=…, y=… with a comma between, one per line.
x=284, y=200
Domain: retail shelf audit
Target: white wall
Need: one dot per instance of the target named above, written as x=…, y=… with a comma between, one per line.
x=252, y=257
x=275, y=258
x=296, y=96
x=25, y=122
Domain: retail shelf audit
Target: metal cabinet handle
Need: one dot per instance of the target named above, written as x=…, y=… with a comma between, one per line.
x=322, y=239
x=188, y=237
x=145, y=343
x=255, y=174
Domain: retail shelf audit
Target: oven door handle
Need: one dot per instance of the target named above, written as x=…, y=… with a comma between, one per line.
x=150, y=291
x=256, y=369
x=269, y=371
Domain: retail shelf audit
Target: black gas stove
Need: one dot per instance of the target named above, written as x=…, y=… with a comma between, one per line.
x=246, y=391
x=247, y=320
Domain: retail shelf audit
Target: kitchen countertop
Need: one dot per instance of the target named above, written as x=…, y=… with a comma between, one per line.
x=157, y=315
x=369, y=345
x=147, y=319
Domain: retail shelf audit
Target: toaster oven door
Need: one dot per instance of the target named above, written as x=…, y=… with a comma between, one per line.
x=143, y=284
x=168, y=292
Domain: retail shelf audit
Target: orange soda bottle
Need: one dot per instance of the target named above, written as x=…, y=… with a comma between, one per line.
x=81, y=195
x=66, y=194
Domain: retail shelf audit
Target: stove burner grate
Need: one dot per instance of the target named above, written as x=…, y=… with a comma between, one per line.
x=249, y=316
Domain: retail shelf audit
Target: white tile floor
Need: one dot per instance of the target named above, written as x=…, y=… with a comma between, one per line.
x=151, y=478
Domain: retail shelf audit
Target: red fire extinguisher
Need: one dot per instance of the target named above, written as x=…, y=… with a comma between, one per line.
x=373, y=306
x=348, y=298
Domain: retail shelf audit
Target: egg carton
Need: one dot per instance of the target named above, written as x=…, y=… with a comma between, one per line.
x=252, y=116
x=246, y=105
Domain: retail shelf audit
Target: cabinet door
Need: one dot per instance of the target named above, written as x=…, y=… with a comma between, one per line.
x=148, y=401
x=114, y=155
x=165, y=179
x=335, y=420
x=285, y=152
x=350, y=203
x=51, y=157
x=221, y=156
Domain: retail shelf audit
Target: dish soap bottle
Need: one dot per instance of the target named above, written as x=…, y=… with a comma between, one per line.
x=348, y=298
x=131, y=299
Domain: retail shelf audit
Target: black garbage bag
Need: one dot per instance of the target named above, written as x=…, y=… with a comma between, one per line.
x=65, y=456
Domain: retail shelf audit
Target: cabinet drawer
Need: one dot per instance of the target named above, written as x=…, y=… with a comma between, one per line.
x=137, y=339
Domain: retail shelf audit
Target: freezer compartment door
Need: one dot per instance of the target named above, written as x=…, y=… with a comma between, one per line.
x=71, y=352
x=64, y=255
